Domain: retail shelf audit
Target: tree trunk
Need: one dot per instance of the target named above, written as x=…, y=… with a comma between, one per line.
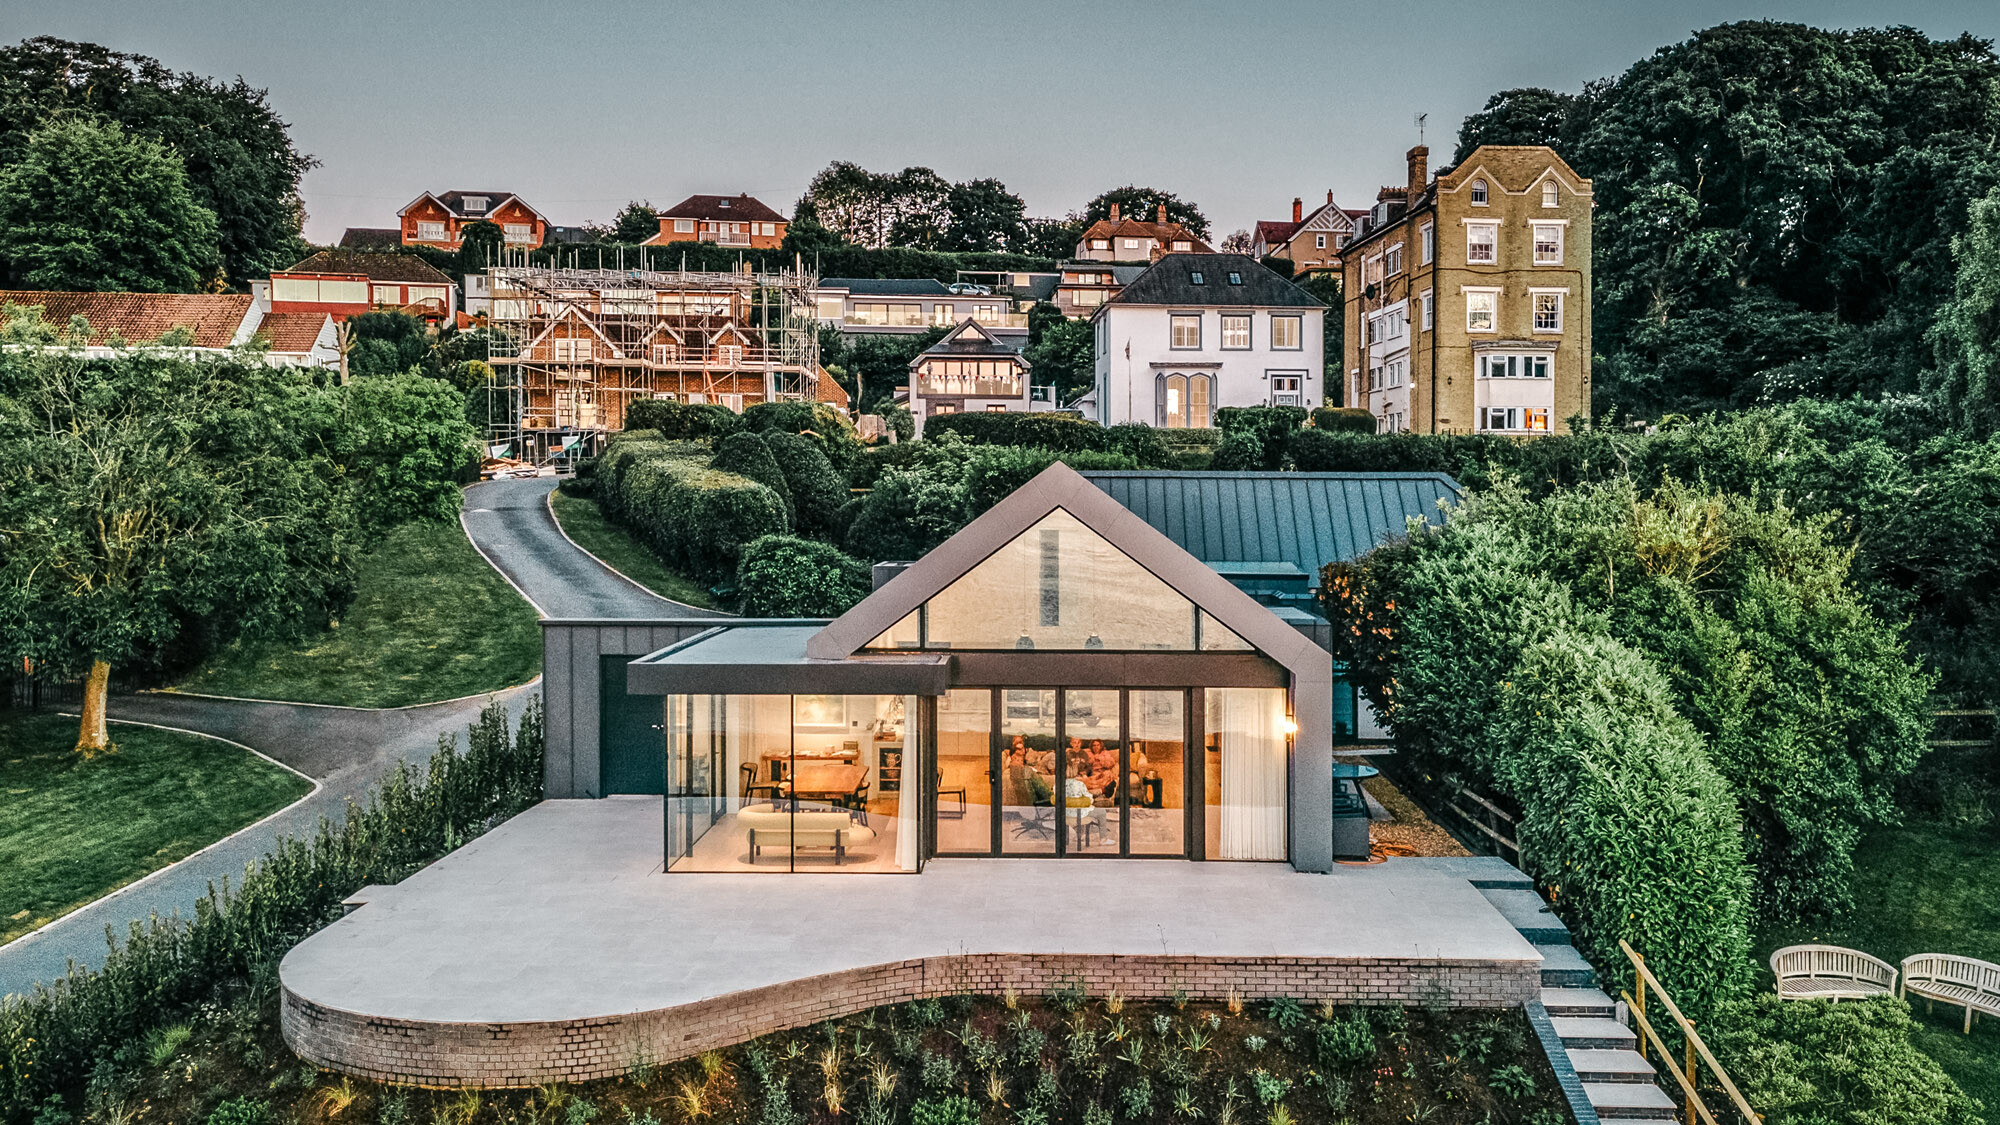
x=95, y=738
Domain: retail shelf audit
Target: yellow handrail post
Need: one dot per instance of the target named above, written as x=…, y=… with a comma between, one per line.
x=1690, y=1077
x=1639, y=997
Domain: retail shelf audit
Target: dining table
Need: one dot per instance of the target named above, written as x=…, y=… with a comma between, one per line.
x=825, y=781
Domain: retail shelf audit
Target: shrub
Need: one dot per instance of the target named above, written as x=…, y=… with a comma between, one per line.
x=1343, y=419
x=781, y=576
x=996, y=471
x=747, y=455
x=867, y=469
x=1043, y=429
x=406, y=446
x=694, y=517
x=1146, y=445
x=915, y=507
x=818, y=491
x=1256, y=437
x=1345, y=1040
x=1851, y=1063
x=51, y=1037
x=682, y=419
x=828, y=426
x=1625, y=820
x=241, y=1111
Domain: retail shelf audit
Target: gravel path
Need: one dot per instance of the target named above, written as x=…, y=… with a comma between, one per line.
x=344, y=749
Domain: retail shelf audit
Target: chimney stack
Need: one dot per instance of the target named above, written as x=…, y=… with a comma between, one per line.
x=1298, y=209
x=1114, y=212
x=1163, y=214
x=1329, y=196
x=1420, y=158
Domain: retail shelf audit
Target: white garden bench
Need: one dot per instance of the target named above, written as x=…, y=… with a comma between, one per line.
x=1828, y=972
x=1954, y=980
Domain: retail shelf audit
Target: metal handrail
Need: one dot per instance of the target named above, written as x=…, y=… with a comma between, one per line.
x=1694, y=1105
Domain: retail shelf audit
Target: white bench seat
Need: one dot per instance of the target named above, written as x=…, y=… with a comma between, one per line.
x=1829, y=972
x=1966, y=981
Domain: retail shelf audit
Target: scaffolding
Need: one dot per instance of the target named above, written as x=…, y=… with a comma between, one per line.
x=571, y=348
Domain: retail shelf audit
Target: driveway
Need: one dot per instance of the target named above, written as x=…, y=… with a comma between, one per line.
x=346, y=750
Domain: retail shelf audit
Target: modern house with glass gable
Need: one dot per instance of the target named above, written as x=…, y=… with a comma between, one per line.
x=1060, y=678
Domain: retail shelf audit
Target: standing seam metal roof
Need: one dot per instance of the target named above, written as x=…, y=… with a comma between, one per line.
x=1308, y=519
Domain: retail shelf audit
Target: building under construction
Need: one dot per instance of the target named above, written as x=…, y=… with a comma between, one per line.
x=573, y=348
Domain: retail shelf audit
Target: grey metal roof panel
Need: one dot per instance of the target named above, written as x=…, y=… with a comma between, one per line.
x=888, y=286
x=1306, y=519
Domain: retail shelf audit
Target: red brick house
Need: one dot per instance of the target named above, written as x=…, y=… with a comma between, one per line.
x=1119, y=239
x=205, y=323
x=435, y=220
x=345, y=283
x=727, y=220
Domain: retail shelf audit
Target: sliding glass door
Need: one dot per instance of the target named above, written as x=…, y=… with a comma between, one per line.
x=1091, y=772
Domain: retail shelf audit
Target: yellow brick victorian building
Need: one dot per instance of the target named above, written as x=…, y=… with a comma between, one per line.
x=1468, y=297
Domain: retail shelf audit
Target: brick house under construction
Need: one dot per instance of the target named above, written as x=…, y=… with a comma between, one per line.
x=572, y=348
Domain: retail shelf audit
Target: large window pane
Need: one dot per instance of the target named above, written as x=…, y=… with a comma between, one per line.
x=965, y=771
x=1093, y=776
x=1246, y=760
x=1060, y=586
x=1028, y=771
x=1157, y=772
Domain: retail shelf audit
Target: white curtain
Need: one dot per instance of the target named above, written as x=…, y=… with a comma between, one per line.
x=1253, y=771
x=910, y=795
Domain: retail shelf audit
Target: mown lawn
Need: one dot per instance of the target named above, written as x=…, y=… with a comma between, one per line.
x=432, y=621
x=73, y=830
x=1929, y=887
x=582, y=521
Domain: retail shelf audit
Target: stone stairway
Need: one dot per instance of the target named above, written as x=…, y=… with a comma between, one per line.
x=1610, y=1077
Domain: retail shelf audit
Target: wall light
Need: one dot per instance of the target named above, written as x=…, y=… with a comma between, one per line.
x=1291, y=726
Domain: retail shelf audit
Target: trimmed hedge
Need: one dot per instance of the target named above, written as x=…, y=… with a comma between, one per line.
x=1256, y=437
x=51, y=1038
x=1627, y=822
x=682, y=419
x=1851, y=1063
x=818, y=491
x=784, y=576
x=823, y=424
x=1064, y=433
x=747, y=455
x=1343, y=419
x=694, y=517
x=996, y=471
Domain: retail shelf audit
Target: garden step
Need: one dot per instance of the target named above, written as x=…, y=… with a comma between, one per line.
x=1577, y=1002
x=1526, y=912
x=1629, y=1101
x=1598, y=1065
x=1578, y=1032
x=1564, y=967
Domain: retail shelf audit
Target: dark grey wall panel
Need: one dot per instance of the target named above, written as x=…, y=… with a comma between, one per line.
x=570, y=652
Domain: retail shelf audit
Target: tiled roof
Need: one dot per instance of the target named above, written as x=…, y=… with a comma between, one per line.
x=1170, y=281
x=292, y=332
x=371, y=238
x=1132, y=228
x=454, y=201
x=1272, y=233
x=971, y=339
x=887, y=286
x=139, y=318
x=374, y=266
x=733, y=208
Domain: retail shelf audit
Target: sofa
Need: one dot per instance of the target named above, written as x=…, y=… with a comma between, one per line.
x=775, y=826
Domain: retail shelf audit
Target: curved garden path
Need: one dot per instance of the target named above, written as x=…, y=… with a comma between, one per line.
x=345, y=750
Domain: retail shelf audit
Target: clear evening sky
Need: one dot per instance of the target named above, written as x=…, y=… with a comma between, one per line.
x=580, y=107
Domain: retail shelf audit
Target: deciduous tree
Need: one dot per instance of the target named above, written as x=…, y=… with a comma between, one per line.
x=90, y=206
x=1144, y=203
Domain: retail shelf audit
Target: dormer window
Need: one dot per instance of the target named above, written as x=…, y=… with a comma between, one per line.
x=722, y=204
x=1479, y=193
x=1235, y=278
x=1183, y=247
x=475, y=204
x=1551, y=194
x=1195, y=278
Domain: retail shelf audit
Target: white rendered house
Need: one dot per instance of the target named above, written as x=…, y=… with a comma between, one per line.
x=1197, y=332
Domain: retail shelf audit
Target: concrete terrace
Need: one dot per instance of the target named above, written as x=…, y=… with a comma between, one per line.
x=555, y=946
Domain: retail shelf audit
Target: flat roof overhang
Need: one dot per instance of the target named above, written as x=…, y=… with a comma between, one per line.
x=755, y=658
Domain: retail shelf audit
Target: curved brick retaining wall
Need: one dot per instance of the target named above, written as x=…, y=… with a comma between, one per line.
x=527, y=1053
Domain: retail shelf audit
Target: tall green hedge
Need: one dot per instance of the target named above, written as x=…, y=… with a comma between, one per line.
x=50, y=1038
x=1627, y=823
x=747, y=455
x=996, y=471
x=1064, y=433
x=818, y=490
x=695, y=517
x=682, y=419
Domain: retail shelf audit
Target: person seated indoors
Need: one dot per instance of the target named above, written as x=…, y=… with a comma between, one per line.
x=1101, y=769
x=1076, y=792
x=1043, y=761
x=1025, y=784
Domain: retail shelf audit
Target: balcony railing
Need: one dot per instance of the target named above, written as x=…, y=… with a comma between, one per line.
x=725, y=238
x=956, y=385
x=988, y=320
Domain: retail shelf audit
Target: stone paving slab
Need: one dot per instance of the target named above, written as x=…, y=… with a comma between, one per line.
x=565, y=913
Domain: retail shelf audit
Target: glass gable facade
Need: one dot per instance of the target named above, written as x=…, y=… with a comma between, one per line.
x=1060, y=587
